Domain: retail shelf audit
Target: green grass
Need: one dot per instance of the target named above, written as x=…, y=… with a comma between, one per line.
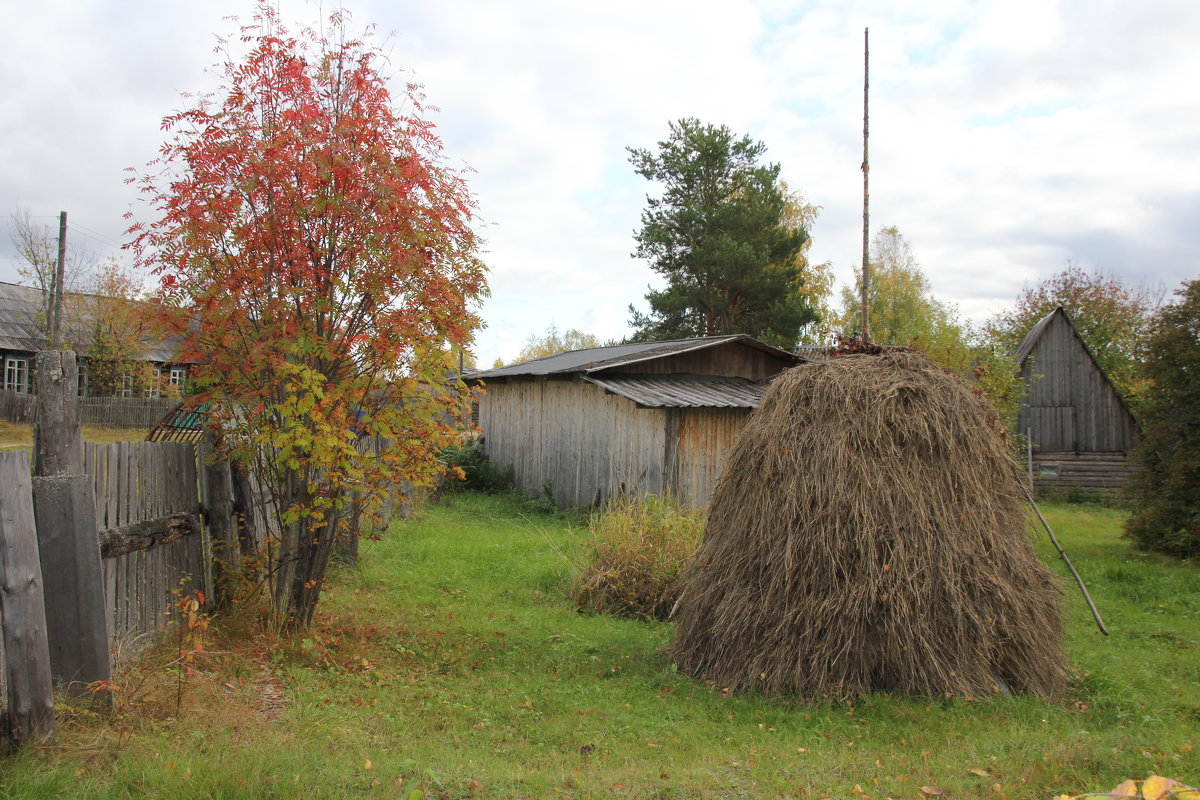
x=451, y=663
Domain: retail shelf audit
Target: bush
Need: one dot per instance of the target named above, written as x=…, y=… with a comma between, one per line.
x=1165, y=492
x=637, y=549
x=478, y=472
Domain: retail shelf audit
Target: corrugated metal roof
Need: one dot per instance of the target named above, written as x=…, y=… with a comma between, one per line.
x=682, y=391
x=21, y=329
x=595, y=359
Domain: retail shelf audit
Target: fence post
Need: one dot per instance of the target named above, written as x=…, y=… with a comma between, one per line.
x=57, y=442
x=30, y=714
x=68, y=542
x=218, y=512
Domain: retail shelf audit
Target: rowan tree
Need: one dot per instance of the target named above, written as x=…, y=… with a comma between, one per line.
x=1110, y=315
x=317, y=259
x=718, y=236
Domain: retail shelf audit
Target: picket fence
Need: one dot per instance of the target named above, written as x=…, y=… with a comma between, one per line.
x=137, y=482
x=143, y=579
x=116, y=412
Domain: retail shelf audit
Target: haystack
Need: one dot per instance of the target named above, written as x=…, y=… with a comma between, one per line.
x=868, y=534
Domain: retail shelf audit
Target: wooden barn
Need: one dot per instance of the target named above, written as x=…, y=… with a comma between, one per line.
x=645, y=418
x=1080, y=429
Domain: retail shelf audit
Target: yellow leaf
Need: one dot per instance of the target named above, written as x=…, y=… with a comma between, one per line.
x=982, y=773
x=1157, y=787
x=1187, y=794
x=368, y=765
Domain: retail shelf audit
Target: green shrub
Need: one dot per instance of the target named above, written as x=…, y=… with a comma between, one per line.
x=479, y=473
x=636, y=551
x=1165, y=492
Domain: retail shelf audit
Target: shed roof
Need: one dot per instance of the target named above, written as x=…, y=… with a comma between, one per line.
x=597, y=359
x=682, y=391
x=20, y=329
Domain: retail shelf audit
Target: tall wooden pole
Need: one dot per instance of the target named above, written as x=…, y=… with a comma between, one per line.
x=866, y=171
x=60, y=270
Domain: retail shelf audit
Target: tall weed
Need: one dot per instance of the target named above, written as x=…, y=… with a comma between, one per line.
x=636, y=550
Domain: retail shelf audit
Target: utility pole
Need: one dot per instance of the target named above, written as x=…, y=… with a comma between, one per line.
x=866, y=171
x=59, y=272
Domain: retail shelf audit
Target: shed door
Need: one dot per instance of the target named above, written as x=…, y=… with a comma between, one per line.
x=1052, y=428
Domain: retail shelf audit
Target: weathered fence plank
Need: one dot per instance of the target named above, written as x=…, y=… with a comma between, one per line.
x=30, y=715
x=74, y=586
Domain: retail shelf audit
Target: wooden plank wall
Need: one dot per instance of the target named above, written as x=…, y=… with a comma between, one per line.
x=133, y=482
x=573, y=438
x=1071, y=470
x=731, y=360
x=706, y=436
x=1068, y=378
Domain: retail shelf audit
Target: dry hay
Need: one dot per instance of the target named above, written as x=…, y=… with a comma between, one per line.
x=868, y=534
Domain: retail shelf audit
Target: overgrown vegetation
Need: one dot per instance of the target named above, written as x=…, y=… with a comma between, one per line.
x=1166, y=489
x=472, y=471
x=451, y=663
x=633, y=555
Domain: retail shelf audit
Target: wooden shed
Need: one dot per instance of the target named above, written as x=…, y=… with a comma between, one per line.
x=644, y=418
x=1080, y=430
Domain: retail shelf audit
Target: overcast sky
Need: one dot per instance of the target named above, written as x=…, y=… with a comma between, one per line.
x=1007, y=136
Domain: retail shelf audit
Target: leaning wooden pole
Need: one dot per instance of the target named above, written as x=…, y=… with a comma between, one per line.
x=866, y=171
x=1063, y=555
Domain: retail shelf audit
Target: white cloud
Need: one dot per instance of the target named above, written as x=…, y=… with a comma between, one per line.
x=1006, y=136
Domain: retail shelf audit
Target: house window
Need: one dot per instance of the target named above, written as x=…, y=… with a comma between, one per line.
x=81, y=387
x=126, y=387
x=16, y=374
x=154, y=390
x=177, y=377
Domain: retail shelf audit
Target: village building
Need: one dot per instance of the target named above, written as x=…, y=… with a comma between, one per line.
x=1080, y=431
x=23, y=335
x=631, y=419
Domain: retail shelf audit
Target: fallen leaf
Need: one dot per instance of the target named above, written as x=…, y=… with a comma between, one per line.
x=1157, y=787
x=982, y=773
x=931, y=790
x=368, y=765
x=1126, y=789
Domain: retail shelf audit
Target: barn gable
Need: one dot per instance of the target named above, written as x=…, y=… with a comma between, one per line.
x=644, y=418
x=1080, y=430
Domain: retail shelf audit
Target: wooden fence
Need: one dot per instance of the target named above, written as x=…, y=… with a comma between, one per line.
x=141, y=482
x=116, y=412
x=152, y=547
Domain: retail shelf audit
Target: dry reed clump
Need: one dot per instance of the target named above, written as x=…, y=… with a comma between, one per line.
x=637, y=550
x=868, y=534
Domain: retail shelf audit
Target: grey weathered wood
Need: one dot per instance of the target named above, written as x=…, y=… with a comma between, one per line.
x=30, y=713
x=218, y=507
x=146, y=534
x=57, y=443
x=74, y=587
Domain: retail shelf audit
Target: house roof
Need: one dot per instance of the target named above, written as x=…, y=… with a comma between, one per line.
x=682, y=391
x=597, y=359
x=21, y=328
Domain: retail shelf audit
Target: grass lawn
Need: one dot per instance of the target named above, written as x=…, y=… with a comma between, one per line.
x=14, y=435
x=449, y=665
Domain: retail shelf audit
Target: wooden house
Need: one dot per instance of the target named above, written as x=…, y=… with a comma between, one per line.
x=1080, y=430
x=23, y=335
x=644, y=418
